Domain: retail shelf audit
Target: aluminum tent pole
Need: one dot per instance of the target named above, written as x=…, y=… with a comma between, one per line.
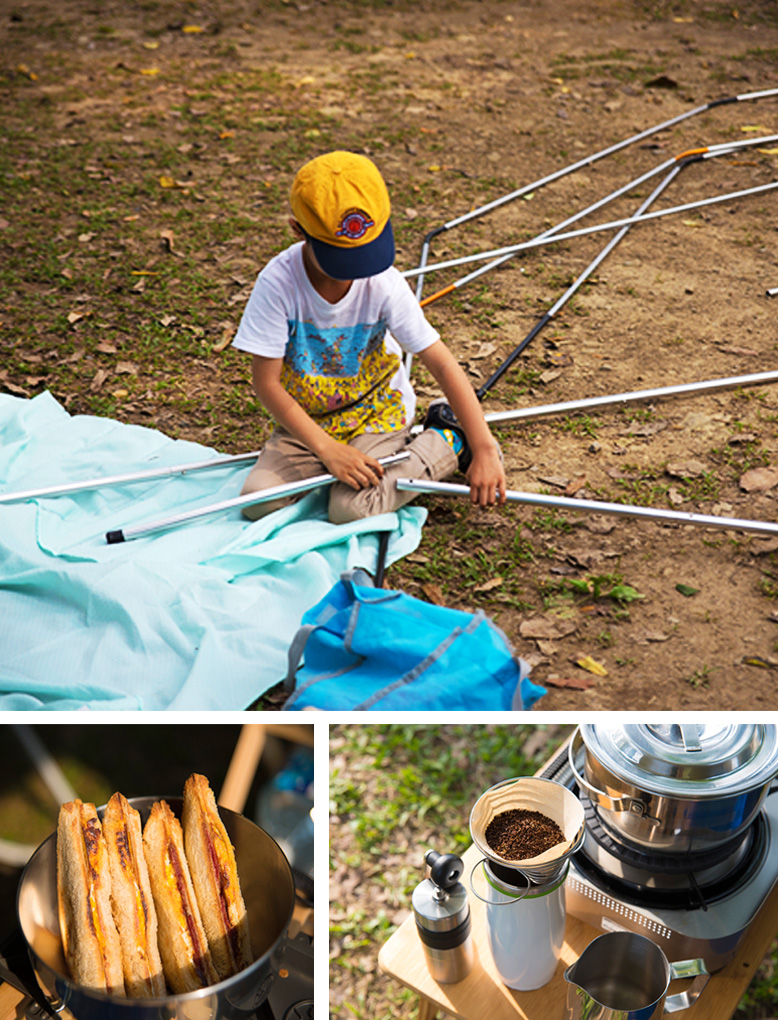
x=137, y=476
x=548, y=233
x=595, y=506
x=425, y=250
x=689, y=156
x=588, y=160
x=516, y=352
x=677, y=164
x=249, y=499
x=587, y=403
x=613, y=225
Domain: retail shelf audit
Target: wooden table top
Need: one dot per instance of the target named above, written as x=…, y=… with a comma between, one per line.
x=482, y=994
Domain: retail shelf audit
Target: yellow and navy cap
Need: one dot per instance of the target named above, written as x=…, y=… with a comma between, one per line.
x=341, y=202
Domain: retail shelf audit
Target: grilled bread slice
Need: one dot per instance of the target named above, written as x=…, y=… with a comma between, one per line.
x=215, y=877
x=89, y=936
x=183, y=945
x=132, y=902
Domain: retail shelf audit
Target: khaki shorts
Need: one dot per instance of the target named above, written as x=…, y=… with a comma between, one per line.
x=284, y=459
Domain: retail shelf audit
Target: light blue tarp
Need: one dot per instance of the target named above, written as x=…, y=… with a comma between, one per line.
x=195, y=617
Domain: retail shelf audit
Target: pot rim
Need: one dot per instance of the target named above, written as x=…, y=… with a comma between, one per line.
x=629, y=751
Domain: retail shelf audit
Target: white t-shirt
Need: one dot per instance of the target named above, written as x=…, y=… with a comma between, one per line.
x=342, y=362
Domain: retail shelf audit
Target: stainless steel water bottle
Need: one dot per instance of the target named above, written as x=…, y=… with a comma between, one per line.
x=443, y=918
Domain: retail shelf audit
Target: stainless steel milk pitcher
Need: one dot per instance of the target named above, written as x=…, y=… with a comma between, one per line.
x=625, y=976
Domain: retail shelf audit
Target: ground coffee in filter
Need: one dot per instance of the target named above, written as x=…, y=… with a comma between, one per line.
x=519, y=834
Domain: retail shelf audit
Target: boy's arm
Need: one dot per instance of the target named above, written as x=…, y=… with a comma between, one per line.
x=347, y=463
x=486, y=475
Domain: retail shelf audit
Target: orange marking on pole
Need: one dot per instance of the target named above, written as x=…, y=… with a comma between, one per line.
x=693, y=152
x=437, y=294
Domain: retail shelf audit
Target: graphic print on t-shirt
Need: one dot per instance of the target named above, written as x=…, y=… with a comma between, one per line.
x=344, y=374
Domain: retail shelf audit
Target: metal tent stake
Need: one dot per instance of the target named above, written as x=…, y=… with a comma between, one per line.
x=137, y=476
x=595, y=506
x=249, y=499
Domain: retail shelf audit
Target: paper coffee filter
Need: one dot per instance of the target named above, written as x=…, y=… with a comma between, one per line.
x=527, y=793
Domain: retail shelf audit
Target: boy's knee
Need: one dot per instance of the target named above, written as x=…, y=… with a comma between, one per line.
x=347, y=505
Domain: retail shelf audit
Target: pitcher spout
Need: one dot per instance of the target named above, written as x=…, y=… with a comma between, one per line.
x=580, y=1004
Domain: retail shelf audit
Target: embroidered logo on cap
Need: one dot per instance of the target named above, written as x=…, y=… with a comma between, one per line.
x=354, y=224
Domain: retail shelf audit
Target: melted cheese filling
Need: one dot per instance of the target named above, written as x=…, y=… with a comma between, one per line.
x=171, y=880
x=96, y=921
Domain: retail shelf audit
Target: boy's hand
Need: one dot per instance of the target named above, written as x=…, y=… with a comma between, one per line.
x=351, y=465
x=486, y=477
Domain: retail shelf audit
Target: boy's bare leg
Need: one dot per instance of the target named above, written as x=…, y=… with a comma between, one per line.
x=430, y=458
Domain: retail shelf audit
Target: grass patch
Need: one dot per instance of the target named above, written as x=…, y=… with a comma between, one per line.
x=412, y=777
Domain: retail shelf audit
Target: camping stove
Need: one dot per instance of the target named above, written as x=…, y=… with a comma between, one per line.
x=692, y=905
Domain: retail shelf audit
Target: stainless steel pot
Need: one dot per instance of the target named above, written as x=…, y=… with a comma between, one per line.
x=268, y=890
x=676, y=788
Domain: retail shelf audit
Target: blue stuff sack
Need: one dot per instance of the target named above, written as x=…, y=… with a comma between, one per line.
x=368, y=649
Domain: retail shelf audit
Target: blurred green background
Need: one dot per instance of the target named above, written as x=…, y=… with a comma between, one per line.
x=97, y=760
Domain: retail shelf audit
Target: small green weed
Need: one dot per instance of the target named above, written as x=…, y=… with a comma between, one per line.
x=768, y=585
x=701, y=678
x=578, y=425
x=595, y=586
x=549, y=519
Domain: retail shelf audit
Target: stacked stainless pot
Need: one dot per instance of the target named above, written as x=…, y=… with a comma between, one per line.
x=676, y=788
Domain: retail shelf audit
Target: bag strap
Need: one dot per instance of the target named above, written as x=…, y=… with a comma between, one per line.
x=356, y=576
x=294, y=657
x=297, y=648
x=288, y=705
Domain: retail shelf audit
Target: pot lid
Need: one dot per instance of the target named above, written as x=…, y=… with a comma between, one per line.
x=699, y=759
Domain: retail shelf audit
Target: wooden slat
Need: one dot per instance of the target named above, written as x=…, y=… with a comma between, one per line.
x=9, y=1002
x=243, y=767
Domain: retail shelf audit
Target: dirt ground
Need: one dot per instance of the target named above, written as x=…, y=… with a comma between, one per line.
x=459, y=107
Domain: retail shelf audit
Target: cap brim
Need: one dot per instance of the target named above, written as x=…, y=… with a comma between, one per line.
x=358, y=262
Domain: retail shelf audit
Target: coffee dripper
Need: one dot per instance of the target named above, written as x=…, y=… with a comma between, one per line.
x=525, y=900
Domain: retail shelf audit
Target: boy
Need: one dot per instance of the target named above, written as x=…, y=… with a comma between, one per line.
x=326, y=325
